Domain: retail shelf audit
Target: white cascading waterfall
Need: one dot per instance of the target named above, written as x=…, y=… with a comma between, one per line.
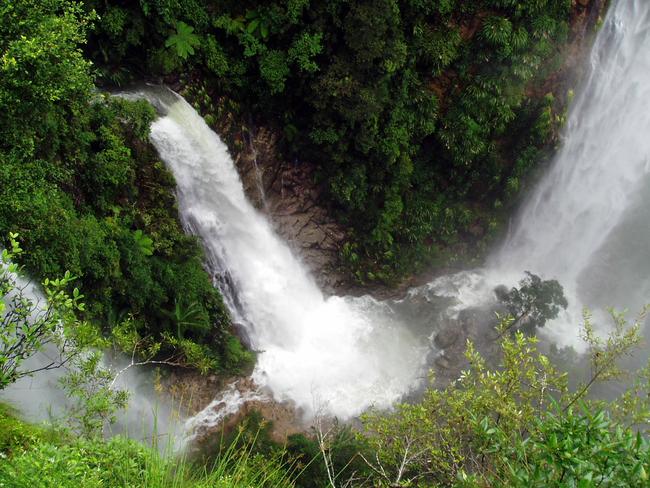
x=587, y=223
x=336, y=355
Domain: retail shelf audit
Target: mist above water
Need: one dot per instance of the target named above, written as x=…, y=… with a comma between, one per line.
x=41, y=398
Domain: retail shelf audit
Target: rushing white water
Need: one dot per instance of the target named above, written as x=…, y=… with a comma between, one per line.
x=586, y=223
x=578, y=224
x=339, y=355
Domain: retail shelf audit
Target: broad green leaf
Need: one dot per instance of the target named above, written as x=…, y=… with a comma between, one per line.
x=183, y=41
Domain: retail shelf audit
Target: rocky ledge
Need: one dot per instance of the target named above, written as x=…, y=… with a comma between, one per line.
x=287, y=193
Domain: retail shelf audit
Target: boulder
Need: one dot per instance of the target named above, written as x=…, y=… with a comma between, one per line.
x=442, y=362
x=447, y=337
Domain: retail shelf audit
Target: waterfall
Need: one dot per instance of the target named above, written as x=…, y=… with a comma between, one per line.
x=585, y=224
x=339, y=355
x=602, y=167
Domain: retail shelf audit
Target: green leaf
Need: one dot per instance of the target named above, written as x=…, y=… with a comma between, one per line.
x=640, y=472
x=144, y=242
x=183, y=41
x=253, y=26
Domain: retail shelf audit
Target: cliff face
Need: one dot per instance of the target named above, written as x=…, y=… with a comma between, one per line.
x=287, y=191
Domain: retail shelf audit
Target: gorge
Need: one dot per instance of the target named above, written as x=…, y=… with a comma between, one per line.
x=583, y=225
x=299, y=233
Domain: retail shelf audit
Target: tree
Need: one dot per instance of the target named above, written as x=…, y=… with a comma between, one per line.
x=81, y=181
x=95, y=399
x=518, y=424
x=533, y=303
x=44, y=77
x=29, y=324
x=581, y=447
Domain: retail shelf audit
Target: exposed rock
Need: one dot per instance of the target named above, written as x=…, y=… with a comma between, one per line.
x=476, y=324
x=479, y=322
x=193, y=393
x=447, y=337
x=288, y=194
x=442, y=362
x=284, y=419
x=477, y=230
x=189, y=390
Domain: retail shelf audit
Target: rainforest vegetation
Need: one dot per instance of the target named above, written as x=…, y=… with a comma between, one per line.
x=424, y=118
x=419, y=115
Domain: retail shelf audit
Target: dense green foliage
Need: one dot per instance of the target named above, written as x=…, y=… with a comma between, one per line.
x=533, y=302
x=583, y=448
x=418, y=113
x=82, y=186
x=518, y=424
x=38, y=457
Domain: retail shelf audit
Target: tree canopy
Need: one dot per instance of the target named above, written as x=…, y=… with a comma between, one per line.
x=419, y=114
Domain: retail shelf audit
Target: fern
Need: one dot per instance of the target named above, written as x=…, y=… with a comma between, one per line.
x=496, y=31
x=144, y=242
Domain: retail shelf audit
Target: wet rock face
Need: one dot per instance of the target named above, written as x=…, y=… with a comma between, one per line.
x=287, y=193
x=475, y=324
x=447, y=337
x=194, y=394
x=189, y=390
